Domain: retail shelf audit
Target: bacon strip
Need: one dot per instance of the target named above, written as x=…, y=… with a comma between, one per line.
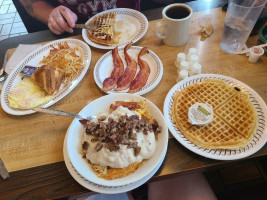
x=129, y=105
x=129, y=73
x=142, y=76
x=110, y=82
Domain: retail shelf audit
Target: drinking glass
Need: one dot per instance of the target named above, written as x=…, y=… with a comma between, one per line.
x=240, y=19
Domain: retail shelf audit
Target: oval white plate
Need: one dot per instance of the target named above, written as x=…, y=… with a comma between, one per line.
x=76, y=130
x=33, y=59
x=138, y=19
x=102, y=188
x=104, y=67
x=257, y=141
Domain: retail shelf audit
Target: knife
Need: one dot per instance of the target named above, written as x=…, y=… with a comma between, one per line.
x=85, y=26
x=3, y=171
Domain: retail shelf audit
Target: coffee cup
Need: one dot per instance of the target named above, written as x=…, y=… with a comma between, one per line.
x=175, y=24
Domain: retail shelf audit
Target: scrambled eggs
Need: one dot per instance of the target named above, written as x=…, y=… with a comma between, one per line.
x=27, y=95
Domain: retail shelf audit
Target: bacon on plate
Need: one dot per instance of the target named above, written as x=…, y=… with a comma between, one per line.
x=142, y=76
x=110, y=82
x=129, y=73
x=129, y=105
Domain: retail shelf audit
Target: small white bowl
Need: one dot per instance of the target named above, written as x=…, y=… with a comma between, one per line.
x=75, y=131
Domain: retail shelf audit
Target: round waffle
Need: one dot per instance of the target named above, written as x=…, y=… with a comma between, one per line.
x=235, y=118
x=103, y=33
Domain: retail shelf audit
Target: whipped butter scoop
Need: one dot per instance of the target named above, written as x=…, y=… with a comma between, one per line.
x=200, y=114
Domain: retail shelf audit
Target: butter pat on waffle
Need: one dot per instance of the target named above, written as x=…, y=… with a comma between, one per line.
x=235, y=118
x=103, y=33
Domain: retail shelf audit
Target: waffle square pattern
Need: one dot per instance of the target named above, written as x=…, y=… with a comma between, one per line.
x=235, y=118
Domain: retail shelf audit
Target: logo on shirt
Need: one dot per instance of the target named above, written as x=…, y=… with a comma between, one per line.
x=85, y=8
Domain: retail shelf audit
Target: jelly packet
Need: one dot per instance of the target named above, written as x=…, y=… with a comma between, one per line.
x=255, y=54
x=200, y=114
x=28, y=70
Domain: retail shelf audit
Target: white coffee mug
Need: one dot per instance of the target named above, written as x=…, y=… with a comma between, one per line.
x=175, y=24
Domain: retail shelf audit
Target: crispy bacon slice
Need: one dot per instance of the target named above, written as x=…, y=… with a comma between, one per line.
x=129, y=105
x=110, y=82
x=129, y=73
x=142, y=76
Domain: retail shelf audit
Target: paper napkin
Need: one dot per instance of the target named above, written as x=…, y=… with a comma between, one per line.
x=19, y=54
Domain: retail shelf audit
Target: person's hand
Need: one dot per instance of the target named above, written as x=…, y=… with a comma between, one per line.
x=62, y=19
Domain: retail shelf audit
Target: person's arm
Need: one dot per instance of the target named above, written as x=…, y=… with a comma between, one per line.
x=38, y=9
x=59, y=19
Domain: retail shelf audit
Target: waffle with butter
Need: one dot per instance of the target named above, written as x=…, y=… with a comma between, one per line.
x=235, y=118
x=103, y=33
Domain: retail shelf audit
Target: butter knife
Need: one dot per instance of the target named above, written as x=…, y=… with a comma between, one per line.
x=3, y=171
x=85, y=26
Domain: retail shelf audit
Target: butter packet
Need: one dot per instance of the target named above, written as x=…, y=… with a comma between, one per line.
x=200, y=114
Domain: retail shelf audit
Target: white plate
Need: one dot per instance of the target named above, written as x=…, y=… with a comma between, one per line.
x=257, y=141
x=101, y=188
x=104, y=67
x=76, y=130
x=138, y=19
x=33, y=59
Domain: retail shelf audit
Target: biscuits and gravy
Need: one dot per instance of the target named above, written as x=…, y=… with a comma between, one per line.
x=120, y=140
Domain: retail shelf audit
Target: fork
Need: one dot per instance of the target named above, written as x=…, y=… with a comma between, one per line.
x=85, y=26
x=61, y=113
x=4, y=75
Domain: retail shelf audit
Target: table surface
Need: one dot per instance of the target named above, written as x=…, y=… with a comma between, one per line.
x=34, y=154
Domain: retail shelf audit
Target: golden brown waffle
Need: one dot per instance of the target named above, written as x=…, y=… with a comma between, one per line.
x=182, y=102
x=240, y=114
x=103, y=33
x=213, y=92
x=235, y=118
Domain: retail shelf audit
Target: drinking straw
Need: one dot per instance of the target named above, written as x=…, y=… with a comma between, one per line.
x=252, y=5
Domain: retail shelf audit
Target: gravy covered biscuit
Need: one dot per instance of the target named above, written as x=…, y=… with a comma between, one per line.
x=120, y=140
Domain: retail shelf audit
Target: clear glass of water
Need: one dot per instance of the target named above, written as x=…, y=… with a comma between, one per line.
x=240, y=19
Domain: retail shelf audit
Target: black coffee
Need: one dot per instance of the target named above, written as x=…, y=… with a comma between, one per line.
x=178, y=12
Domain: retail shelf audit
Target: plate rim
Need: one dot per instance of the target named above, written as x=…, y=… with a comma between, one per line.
x=142, y=91
x=115, y=97
x=217, y=153
x=139, y=36
x=65, y=91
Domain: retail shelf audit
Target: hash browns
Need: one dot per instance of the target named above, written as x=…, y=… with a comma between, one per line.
x=112, y=173
x=65, y=58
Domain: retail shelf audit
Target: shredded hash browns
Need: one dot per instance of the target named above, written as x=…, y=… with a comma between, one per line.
x=109, y=173
x=65, y=58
